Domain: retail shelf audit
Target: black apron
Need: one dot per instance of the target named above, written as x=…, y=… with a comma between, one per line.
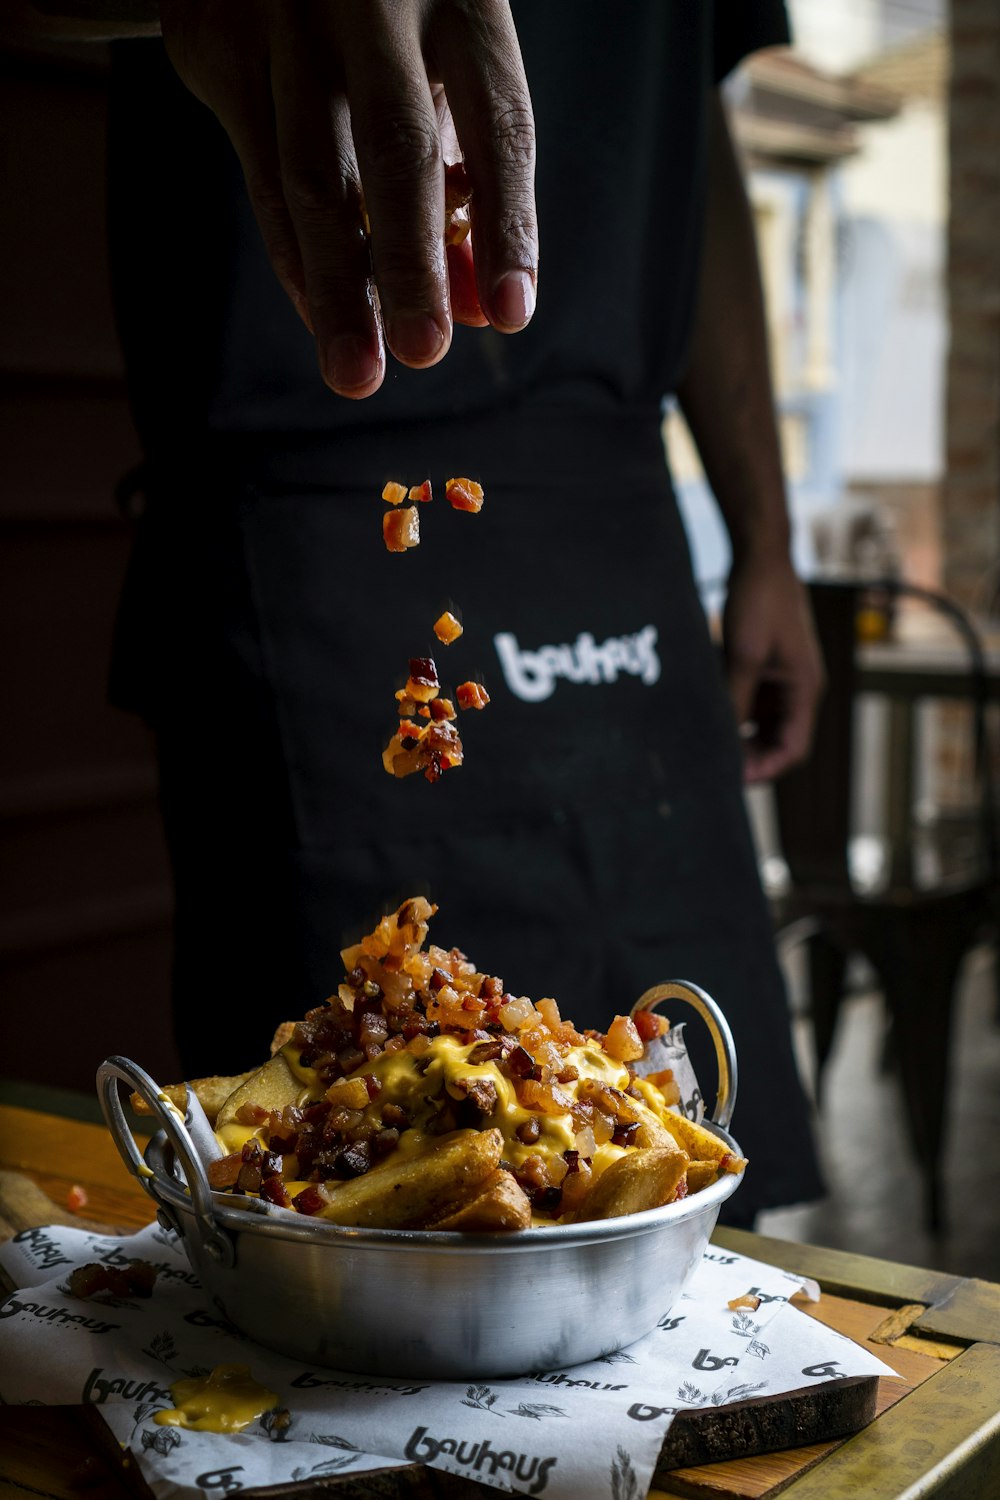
x=594, y=842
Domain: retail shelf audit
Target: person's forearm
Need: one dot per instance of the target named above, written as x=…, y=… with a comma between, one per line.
x=726, y=394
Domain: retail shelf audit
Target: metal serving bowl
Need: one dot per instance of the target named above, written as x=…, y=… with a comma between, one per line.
x=435, y=1304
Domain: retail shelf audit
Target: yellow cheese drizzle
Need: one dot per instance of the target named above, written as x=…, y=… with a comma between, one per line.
x=226, y=1400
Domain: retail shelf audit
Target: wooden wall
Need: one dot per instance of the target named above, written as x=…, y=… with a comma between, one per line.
x=84, y=883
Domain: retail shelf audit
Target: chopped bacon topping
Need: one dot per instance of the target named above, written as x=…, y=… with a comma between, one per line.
x=395, y=493
x=464, y=494
x=447, y=628
x=471, y=695
x=422, y=492
x=76, y=1198
x=134, y=1280
x=401, y=529
x=649, y=1025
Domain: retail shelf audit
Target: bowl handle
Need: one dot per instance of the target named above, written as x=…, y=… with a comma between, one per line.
x=725, y=1049
x=214, y=1239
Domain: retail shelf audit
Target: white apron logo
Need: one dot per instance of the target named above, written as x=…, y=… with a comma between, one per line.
x=532, y=675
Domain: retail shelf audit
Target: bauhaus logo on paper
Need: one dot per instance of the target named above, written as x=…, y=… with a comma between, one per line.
x=532, y=675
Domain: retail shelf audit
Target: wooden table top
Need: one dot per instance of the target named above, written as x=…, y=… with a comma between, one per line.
x=937, y=1427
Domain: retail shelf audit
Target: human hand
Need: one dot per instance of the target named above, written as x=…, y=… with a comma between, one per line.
x=344, y=110
x=773, y=665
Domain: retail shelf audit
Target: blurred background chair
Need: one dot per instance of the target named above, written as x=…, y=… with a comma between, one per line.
x=913, y=901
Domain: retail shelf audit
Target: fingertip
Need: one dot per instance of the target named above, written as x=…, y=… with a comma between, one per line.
x=353, y=365
x=417, y=338
x=512, y=302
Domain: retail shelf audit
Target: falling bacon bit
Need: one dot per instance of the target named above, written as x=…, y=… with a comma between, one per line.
x=394, y=493
x=649, y=1025
x=747, y=1300
x=464, y=494
x=447, y=628
x=423, y=684
x=457, y=192
x=76, y=1198
x=441, y=708
x=457, y=187
x=471, y=695
x=401, y=529
x=422, y=492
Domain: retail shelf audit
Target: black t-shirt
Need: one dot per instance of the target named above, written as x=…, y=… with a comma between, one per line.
x=620, y=95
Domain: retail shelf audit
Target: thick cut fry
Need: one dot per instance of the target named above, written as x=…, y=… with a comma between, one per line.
x=413, y=1191
x=212, y=1094
x=272, y=1087
x=501, y=1204
x=638, y=1180
x=700, y=1174
x=283, y=1034
x=699, y=1143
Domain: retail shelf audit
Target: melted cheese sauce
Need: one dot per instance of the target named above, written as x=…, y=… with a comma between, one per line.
x=226, y=1400
x=418, y=1085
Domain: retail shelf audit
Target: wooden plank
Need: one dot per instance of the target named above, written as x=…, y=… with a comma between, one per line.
x=942, y=1441
x=961, y=1308
x=58, y=1153
x=50, y=1452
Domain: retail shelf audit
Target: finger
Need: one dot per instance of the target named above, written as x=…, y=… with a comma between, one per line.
x=480, y=63
x=399, y=154
x=464, y=297
x=252, y=131
x=784, y=715
x=319, y=181
x=743, y=679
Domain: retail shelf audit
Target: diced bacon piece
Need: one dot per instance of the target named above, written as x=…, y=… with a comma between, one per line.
x=649, y=1025
x=422, y=492
x=310, y=1200
x=457, y=187
x=441, y=708
x=464, y=494
x=457, y=192
x=624, y=1043
x=394, y=493
x=422, y=684
x=401, y=529
x=224, y=1172
x=76, y=1198
x=471, y=695
x=447, y=628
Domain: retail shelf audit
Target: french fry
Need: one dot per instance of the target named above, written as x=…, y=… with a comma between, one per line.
x=271, y=1087
x=700, y=1174
x=699, y=1143
x=282, y=1035
x=212, y=1094
x=637, y=1180
x=500, y=1204
x=411, y=1192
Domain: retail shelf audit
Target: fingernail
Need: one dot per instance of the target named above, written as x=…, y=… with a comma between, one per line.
x=514, y=299
x=415, y=336
x=350, y=362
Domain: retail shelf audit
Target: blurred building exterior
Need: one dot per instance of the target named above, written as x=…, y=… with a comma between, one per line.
x=971, y=513
x=845, y=138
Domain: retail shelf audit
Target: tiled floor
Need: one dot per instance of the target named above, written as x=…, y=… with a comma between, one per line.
x=874, y=1202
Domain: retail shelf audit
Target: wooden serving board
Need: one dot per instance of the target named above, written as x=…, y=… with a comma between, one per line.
x=813, y=1416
